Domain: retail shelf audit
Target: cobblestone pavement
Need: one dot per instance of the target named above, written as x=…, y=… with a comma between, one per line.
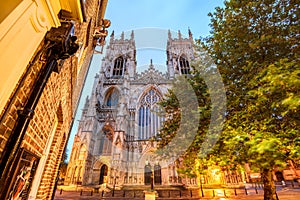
x=84, y=194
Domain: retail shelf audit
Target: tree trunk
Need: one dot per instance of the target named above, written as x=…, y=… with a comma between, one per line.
x=269, y=186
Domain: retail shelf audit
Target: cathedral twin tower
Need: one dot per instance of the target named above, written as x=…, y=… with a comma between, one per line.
x=112, y=142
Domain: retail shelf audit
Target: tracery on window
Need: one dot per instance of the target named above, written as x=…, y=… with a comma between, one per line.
x=112, y=98
x=106, y=139
x=184, y=65
x=149, y=122
x=119, y=68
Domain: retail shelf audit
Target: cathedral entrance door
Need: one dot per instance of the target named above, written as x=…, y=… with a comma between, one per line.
x=103, y=174
x=147, y=174
x=157, y=175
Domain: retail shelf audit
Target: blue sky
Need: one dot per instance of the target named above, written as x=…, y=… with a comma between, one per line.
x=127, y=15
x=150, y=19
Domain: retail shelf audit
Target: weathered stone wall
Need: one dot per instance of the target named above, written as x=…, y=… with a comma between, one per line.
x=103, y=126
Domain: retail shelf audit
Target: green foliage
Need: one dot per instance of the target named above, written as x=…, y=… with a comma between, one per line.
x=256, y=47
x=187, y=132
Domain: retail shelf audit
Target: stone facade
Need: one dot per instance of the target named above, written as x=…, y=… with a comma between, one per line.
x=37, y=161
x=113, y=143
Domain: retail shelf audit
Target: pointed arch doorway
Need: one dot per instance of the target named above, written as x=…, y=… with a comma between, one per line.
x=157, y=174
x=147, y=174
x=103, y=174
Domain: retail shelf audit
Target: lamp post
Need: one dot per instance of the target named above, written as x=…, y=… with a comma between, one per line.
x=201, y=185
x=152, y=181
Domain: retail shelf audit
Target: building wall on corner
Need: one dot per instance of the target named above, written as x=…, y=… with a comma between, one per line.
x=69, y=83
x=22, y=35
x=85, y=40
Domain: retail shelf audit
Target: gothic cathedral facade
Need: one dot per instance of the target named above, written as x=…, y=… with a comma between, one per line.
x=113, y=143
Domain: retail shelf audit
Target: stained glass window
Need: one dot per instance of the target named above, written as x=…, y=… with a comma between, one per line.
x=148, y=119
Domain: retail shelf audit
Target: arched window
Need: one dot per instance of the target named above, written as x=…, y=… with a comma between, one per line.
x=103, y=174
x=82, y=152
x=106, y=140
x=157, y=174
x=112, y=98
x=119, y=69
x=147, y=174
x=184, y=65
x=148, y=120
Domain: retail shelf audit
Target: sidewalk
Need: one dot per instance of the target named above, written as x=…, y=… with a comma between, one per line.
x=84, y=194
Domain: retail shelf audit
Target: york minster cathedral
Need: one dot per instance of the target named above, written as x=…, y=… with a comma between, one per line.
x=114, y=143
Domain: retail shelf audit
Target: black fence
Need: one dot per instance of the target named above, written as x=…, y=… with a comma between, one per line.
x=255, y=189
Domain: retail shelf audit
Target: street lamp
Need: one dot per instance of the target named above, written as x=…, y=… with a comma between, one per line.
x=152, y=181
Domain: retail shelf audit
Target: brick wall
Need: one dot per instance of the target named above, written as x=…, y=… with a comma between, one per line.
x=51, y=123
x=71, y=80
x=17, y=100
x=72, y=175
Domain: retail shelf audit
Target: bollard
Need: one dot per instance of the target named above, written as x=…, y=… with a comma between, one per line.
x=124, y=193
x=246, y=191
x=191, y=193
x=214, y=193
x=60, y=191
x=224, y=193
x=92, y=193
x=81, y=192
x=180, y=193
x=235, y=191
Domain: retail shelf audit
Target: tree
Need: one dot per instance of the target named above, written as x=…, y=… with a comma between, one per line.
x=255, y=45
x=194, y=111
x=63, y=166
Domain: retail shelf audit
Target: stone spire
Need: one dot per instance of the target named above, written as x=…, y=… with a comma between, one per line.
x=122, y=35
x=151, y=66
x=112, y=36
x=190, y=34
x=87, y=102
x=179, y=35
x=132, y=35
x=169, y=35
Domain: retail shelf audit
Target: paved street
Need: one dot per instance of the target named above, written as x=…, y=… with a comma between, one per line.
x=83, y=194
